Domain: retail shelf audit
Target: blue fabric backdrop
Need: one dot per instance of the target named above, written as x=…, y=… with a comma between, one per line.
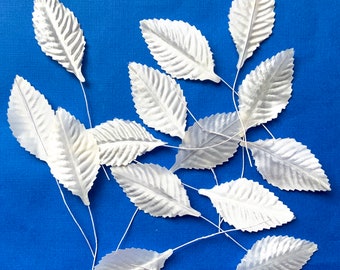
x=36, y=231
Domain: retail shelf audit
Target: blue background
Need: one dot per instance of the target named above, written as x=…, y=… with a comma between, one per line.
x=36, y=231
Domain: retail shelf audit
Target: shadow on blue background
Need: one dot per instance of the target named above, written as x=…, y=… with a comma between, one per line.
x=36, y=231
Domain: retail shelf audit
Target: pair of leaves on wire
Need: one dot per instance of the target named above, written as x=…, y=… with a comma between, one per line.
x=271, y=252
x=183, y=52
x=55, y=137
x=59, y=35
x=73, y=153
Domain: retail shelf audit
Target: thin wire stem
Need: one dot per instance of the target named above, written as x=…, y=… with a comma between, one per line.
x=127, y=228
x=94, y=236
x=269, y=132
x=202, y=238
x=74, y=218
x=86, y=104
x=226, y=233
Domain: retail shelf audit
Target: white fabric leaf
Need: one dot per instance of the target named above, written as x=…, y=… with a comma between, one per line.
x=121, y=141
x=265, y=92
x=30, y=117
x=289, y=165
x=73, y=155
x=278, y=252
x=158, y=99
x=59, y=35
x=180, y=49
x=154, y=189
x=134, y=259
x=210, y=142
x=248, y=206
x=250, y=23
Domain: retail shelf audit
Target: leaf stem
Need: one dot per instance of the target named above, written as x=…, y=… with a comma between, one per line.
x=74, y=219
x=95, y=237
x=202, y=238
x=127, y=228
x=225, y=232
x=86, y=104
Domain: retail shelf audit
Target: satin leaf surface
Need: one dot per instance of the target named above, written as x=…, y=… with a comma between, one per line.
x=133, y=259
x=73, y=155
x=278, y=252
x=250, y=23
x=30, y=117
x=180, y=49
x=210, y=142
x=159, y=100
x=289, y=165
x=121, y=141
x=248, y=206
x=265, y=92
x=154, y=189
x=59, y=35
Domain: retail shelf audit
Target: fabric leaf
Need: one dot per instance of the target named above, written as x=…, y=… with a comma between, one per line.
x=265, y=92
x=154, y=189
x=180, y=49
x=158, y=99
x=74, y=155
x=278, y=252
x=248, y=206
x=210, y=142
x=250, y=22
x=30, y=117
x=59, y=35
x=289, y=165
x=134, y=259
x=121, y=141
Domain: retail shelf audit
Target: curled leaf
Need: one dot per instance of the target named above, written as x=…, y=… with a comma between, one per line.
x=121, y=141
x=278, y=252
x=180, y=49
x=158, y=99
x=134, y=259
x=154, y=189
x=73, y=155
x=30, y=117
x=248, y=206
x=59, y=35
x=265, y=92
x=209, y=142
x=250, y=23
x=289, y=165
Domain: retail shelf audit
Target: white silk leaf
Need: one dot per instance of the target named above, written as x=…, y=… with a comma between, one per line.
x=250, y=23
x=133, y=259
x=278, y=252
x=122, y=141
x=73, y=155
x=265, y=92
x=154, y=189
x=180, y=49
x=159, y=100
x=59, y=35
x=30, y=117
x=209, y=142
x=289, y=165
x=248, y=206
